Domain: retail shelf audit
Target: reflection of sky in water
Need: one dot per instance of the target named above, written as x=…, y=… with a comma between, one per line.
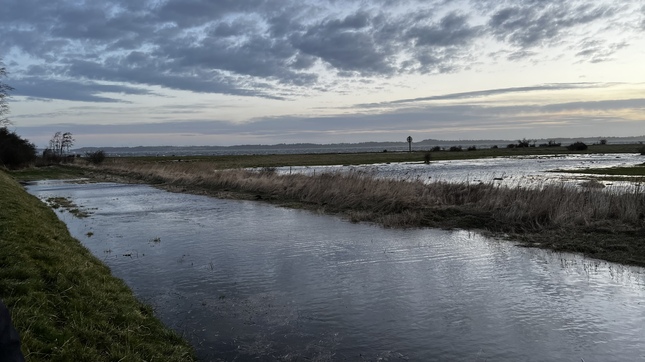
x=510, y=171
x=244, y=279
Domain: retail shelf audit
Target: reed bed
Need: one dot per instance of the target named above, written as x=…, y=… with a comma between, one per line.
x=406, y=203
x=604, y=224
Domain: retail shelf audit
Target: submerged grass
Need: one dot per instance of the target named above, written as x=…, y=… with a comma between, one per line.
x=600, y=223
x=65, y=203
x=64, y=302
x=632, y=173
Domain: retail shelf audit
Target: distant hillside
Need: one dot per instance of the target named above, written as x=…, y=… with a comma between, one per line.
x=283, y=148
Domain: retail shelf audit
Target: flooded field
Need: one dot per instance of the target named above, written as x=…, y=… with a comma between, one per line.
x=249, y=281
x=507, y=171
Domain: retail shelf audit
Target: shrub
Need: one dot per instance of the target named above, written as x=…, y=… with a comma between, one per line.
x=603, y=141
x=455, y=149
x=472, y=148
x=494, y=147
x=435, y=149
x=550, y=144
x=15, y=152
x=510, y=145
x=577, y=146
x=96, y=157
x=523, y=143
x=426, y=157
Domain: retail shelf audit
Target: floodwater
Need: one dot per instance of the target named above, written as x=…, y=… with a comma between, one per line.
x=245, y=280
x=506, y=171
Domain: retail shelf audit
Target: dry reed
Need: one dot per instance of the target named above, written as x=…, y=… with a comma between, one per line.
x=399, y=203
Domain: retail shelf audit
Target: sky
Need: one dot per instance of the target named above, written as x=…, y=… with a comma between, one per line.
x=230, y=72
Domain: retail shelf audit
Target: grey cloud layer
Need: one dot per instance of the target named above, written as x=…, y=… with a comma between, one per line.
x=411, y=119
x=274, y=48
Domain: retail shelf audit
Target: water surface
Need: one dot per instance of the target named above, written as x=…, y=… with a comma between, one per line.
x=252, y=281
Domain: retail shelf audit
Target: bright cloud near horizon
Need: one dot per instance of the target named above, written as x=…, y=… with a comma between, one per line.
x=226, y=72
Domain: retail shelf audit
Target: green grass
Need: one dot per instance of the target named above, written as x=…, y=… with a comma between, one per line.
x=49, y=173
x=637, y=170
x=64, y=302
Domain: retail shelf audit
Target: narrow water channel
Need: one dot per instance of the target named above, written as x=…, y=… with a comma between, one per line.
x=249, y=281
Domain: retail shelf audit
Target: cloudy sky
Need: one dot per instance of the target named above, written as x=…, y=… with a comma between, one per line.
x=224, y=72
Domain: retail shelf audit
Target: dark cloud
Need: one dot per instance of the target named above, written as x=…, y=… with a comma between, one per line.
x=271, y=48
x=39, y=88
x=543, y=22
x=452, y=31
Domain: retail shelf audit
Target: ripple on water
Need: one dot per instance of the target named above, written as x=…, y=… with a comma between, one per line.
x=244, y=279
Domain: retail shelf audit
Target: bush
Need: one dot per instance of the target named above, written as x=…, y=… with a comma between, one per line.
x=455, y=149
x=435, y=149
x=426, y=157
x=472, y=148
x=577, y=146
x=510, y=145
x=523, y=143
x=550, y=144
x=494, y=147
x=96, y=157
x=15, y=152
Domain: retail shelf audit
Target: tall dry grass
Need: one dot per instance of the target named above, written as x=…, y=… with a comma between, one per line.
x=399, y=203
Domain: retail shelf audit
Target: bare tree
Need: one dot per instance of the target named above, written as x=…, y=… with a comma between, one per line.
x=61, y=143
x=4, y=94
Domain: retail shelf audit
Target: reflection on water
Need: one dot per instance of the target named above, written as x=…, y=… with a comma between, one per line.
x=507, y=171
x=245, y=280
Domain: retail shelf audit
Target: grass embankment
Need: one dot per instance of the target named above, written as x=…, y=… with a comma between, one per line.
x=64, y=302
x=49, y=173
x=601, y=224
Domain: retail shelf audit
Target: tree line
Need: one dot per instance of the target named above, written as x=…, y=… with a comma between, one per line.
x=17, y=152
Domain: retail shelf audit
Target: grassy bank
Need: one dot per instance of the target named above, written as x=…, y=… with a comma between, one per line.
x=597, y=223
x=64, y=302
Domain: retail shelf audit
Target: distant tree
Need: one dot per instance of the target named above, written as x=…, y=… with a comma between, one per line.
x=4, y=94
x=523, y=143
x=551, y=143
x=96, y=157
x=61, y=143
x=15, y=151
x=409, y=143
x=577, y=146
x=603, y=141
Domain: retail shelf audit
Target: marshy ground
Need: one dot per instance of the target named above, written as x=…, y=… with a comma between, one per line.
x=599, y=223
x=37, y=273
